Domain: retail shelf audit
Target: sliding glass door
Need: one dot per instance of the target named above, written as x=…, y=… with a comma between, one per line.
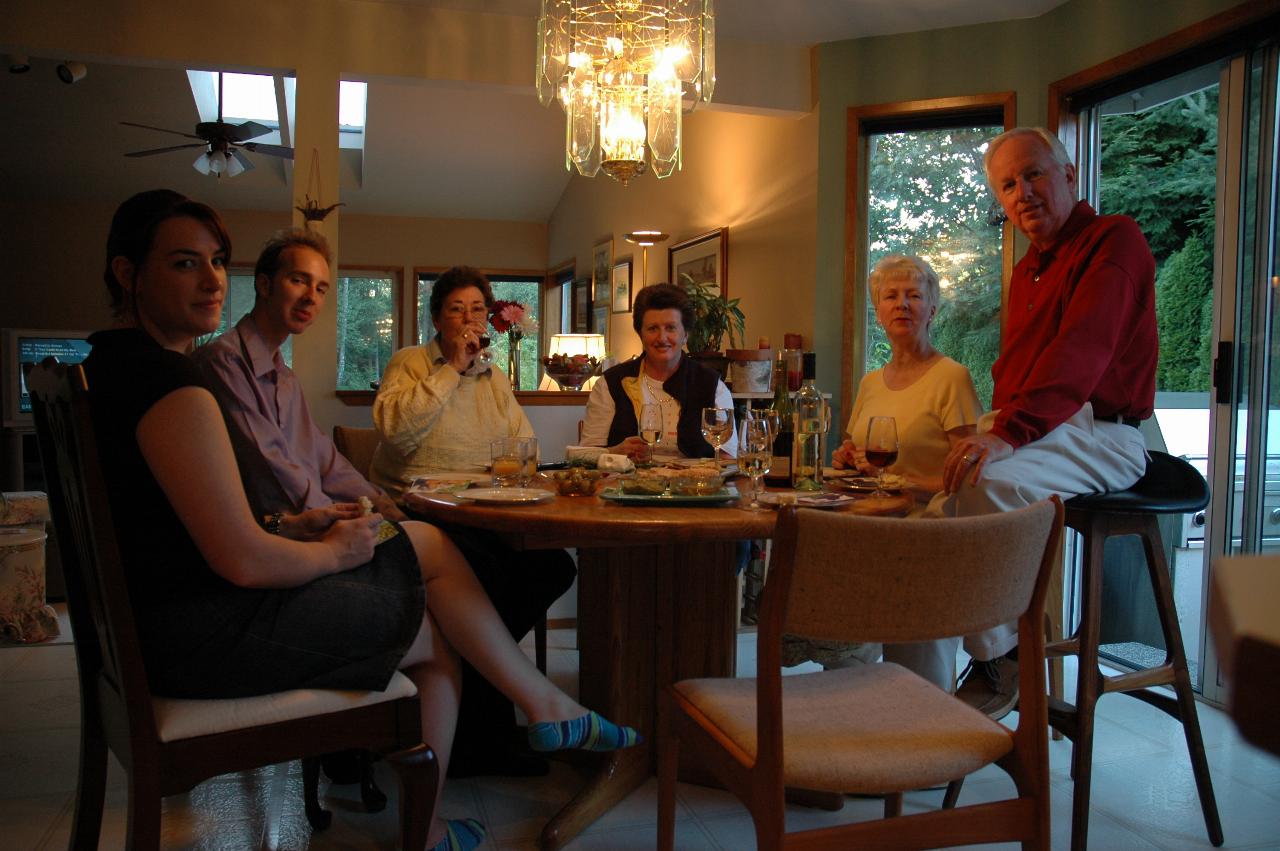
x=1192, y=158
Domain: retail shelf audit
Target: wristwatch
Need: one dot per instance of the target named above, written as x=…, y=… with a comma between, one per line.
x=272, y=523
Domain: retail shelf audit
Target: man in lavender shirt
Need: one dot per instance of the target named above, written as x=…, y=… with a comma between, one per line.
x=293, y=474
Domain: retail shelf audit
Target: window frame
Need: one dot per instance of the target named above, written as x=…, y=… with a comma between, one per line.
x=863, y=121
x=396, y=273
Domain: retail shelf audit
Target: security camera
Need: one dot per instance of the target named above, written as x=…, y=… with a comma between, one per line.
x=72, y=72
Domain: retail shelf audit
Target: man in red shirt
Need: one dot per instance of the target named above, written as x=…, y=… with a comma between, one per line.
x=1076, y=372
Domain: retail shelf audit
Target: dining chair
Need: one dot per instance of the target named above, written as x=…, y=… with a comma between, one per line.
x=357, y=445
x=168, y=746
x=879, y=728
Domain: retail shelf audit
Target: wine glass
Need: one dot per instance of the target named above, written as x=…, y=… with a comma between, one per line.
x=882, y=447
x=756, y=456
x=717, y=426
x=772, y=419
x=651, y=425
x=484, y=357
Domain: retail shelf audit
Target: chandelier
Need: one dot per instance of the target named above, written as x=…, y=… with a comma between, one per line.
x=621, y=69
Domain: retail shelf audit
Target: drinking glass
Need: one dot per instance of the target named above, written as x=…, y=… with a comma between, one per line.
x=484, y=357
x=651, y=425
x=508, y=456
x=717, y=427
x=772, y=419
x=882, y=447
x=755, y=456
x=530, y=459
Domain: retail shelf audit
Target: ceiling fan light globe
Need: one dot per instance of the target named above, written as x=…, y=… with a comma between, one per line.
x=202, y=163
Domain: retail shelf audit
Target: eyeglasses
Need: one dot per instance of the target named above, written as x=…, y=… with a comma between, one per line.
x=459, y=310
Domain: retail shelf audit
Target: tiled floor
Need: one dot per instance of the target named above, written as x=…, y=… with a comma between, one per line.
x=1143, y=798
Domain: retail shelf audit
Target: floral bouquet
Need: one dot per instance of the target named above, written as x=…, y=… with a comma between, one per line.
x=512, y=318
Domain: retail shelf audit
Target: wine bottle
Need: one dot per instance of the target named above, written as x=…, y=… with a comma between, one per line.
x=808, y=447
x=780, y=465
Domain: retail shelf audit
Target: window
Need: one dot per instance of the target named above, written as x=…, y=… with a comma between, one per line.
x=927, y=195
x=916, y=185
x=239, y=301
x=525, y=289
x=365, y=307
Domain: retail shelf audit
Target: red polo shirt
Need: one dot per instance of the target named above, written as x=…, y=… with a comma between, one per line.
x=1080, y=326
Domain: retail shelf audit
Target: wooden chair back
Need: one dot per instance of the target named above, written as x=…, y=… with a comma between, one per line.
x=357, y=445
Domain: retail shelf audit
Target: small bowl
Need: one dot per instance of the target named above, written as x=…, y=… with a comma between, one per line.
x=697, y=485
x=577, y=481
x=643, y=484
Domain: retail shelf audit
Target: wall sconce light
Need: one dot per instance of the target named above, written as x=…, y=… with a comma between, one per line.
x=72, y=72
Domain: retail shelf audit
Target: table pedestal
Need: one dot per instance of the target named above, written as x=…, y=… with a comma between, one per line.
x=648, y=616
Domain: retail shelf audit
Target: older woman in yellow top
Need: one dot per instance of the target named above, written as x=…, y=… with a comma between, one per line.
x=934, y=403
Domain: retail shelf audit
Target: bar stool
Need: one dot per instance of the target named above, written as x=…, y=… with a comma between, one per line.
x=1169, y=486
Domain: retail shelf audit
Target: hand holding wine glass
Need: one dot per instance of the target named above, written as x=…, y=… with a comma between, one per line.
x=882, y=447
x=651, y=425
x=756, y=456
x=717, y=427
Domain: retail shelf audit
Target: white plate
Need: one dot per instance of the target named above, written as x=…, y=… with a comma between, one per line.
x=505, y=496
x=444, y=483
x=809, y=500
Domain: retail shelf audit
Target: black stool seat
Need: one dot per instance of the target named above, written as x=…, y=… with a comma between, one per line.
x=1169, y=486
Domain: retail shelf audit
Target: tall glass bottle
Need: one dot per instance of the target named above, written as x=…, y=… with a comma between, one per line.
x=809, y=446
x=780, y=464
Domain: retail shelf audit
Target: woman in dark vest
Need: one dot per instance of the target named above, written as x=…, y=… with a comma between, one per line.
x=661, y=375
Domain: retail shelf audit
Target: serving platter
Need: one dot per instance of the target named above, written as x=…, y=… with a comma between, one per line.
x=727, y=494
x=447, y=483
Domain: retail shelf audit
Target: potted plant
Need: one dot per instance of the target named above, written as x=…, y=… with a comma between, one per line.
x=713, y=317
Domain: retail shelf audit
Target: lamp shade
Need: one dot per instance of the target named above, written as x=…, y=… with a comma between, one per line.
x=578, y=344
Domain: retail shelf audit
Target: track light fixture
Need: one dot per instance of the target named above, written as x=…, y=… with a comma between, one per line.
x=72, y=72
x=18, y=64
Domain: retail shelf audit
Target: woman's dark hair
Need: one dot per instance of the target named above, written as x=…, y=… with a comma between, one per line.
x=457, y=278
x=662, y=297
x=133, y=230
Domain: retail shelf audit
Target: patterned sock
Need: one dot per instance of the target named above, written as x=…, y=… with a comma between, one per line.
x=461, y=835
x=592, y=732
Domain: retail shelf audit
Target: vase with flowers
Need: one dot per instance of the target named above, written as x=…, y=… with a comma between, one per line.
x=513, y=319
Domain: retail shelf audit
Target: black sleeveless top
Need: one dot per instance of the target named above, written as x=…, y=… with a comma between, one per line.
x=692, y=385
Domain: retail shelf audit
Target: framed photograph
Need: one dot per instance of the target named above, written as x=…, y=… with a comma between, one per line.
x=600, y=322
x=701, y=258
x=581, y=307
x=622, y=286
x=601, y=267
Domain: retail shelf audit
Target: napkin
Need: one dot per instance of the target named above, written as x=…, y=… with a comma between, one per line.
x=583, y=454
x=610, y=463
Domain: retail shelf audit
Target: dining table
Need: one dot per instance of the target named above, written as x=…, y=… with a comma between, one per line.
x=657, y=603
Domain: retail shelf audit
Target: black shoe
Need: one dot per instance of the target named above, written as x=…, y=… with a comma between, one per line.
x=499, y=765
x=341, y=767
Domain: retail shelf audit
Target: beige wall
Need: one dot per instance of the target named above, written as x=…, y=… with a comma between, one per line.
x=756, y=175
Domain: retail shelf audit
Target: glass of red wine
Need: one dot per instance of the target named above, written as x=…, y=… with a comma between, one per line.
x=484, y=357
x=881, y=448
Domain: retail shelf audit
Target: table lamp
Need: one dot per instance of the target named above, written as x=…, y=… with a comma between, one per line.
x=572, y=376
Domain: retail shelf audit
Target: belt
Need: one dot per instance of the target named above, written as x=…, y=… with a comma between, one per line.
x=1132, y=422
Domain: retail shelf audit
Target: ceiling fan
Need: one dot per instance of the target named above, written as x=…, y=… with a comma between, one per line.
x=222, y=143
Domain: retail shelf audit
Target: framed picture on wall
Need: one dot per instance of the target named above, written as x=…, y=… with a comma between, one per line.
x=581, y=307
x=703, y=258
x=601, y=265
x=622, y=286
x=600, y=322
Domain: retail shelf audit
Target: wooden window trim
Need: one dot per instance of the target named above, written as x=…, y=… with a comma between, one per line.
x=396, y=273
x=1198, y=44
x=863, y=120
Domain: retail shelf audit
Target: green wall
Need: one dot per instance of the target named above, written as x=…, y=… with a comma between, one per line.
x=1023, y=55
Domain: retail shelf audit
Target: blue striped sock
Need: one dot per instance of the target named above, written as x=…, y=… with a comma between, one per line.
x=592, y=732
x=461, y=835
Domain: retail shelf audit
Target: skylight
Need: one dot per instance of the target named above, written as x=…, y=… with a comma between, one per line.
x=351, y=97
x=252, y=97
